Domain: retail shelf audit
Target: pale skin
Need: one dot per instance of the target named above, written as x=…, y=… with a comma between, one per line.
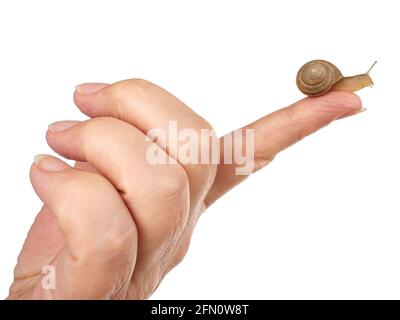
x=114, y=225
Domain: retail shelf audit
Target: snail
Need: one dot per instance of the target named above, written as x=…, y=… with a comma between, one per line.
x=317, y=77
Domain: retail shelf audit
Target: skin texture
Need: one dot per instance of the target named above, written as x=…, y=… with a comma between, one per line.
x=113, y=226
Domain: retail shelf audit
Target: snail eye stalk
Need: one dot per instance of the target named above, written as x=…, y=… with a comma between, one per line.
x=373, y=65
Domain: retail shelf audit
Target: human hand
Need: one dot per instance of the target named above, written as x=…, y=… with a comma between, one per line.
x=115, y=225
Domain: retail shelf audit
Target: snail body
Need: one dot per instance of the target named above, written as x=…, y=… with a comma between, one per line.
x=318, y=77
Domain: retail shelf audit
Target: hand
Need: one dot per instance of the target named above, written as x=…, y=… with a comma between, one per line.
x=114, y=225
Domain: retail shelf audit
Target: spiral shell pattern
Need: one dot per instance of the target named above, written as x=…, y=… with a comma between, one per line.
x=317, y=77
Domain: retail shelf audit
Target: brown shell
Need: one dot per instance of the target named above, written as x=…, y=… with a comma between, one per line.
x=317, y=77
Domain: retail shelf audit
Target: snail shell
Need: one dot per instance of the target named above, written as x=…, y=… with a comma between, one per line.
x=317, y=77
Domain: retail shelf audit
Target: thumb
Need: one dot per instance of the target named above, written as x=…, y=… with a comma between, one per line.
x=280, y=129
x=99, y=232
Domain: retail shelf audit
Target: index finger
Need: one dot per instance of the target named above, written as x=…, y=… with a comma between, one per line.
x=280, y=129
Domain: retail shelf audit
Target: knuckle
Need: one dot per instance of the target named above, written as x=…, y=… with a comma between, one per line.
x=114, y=244
x=90, y=129
x=295, y=118
x=125, y=87
x=122, y=91
x=291, y=114
x=207, y=150
x=175, y=183
x=94, y=132
x=182, y=251
x=119, y=239
x=206, y=174
x=173, y=189
x=98, y=124
x=199, y=124
x=262, y=160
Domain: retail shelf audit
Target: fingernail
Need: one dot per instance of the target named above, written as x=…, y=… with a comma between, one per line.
x=352, y=113
x=61, y=125
x=48, y=163
x=89, y=88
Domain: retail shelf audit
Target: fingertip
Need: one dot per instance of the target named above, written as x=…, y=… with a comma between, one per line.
x=66, y=142
x=81, y=102
x=49, y=163
x=337, y=102
x=90, y=97
x=42, y=170
x=89, y=88
x=57, y=133
x=347, y=100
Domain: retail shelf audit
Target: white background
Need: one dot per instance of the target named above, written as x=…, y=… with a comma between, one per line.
x=322, y=221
